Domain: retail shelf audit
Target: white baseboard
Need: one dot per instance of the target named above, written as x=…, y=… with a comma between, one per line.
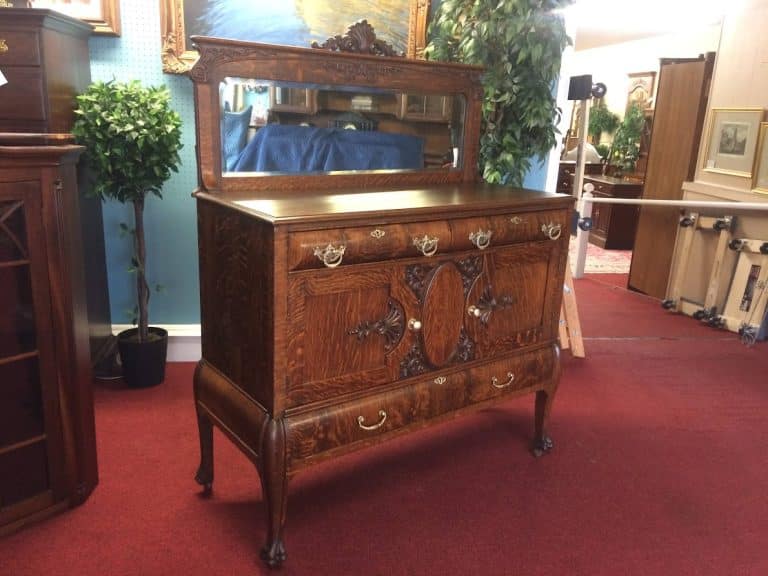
x=183, y=340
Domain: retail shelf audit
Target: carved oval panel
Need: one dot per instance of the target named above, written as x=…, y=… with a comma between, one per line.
x=442, y=314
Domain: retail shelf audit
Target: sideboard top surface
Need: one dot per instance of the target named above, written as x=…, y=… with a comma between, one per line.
x=427, y=201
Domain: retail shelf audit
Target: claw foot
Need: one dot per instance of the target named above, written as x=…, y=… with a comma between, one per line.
x=205, y=479
x=274, y=555
x=541, y=446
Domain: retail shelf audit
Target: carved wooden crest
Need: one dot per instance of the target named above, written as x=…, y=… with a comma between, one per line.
x=359, y=39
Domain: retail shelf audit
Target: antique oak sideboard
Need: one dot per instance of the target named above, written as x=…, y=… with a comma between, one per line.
x=344, y=306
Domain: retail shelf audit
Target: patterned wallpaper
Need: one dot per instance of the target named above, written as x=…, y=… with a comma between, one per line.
x=170, y=222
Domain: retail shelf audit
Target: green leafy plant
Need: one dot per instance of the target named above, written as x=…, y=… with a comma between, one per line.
x=520, y=44
x=132, y=139
x=603, y=150
x=625, y=149
x=601, y=120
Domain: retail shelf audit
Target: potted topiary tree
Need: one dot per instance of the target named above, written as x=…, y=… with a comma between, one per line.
x=132, y=139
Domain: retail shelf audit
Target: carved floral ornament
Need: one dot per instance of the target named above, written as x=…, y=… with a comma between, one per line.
x=178, y=57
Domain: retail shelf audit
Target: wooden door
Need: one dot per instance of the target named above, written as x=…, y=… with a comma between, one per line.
x=681, y=104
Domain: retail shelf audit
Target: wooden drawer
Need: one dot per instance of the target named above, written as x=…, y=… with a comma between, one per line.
x=23, y=48
x=356, y=422
x=331, y=248
x=334, y=247
x=513, y=374
x=385, y=413
x=24, y=94
x=529, y=227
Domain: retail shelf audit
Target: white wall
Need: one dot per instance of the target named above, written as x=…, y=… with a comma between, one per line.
x=611, y=64
x=740, y=80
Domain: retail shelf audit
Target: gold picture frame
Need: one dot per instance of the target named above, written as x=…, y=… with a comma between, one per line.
x=640, y=89
x=731, y=141
x=760, y=178
x=103, y=15
x=178, y=57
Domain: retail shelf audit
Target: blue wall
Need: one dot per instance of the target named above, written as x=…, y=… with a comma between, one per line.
x=171, y=222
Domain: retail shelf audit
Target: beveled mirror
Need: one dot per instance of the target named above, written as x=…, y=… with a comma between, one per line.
x=281, y=117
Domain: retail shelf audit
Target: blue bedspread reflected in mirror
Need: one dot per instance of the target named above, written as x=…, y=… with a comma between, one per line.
x=293, y=149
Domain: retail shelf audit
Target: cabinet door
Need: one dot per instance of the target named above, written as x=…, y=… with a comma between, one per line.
x=515, y=300
x=30, y=445
x=344, y=326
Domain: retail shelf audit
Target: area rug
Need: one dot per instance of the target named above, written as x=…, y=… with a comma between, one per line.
x=601, y=261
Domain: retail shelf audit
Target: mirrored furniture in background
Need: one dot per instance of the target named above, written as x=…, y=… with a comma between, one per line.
x=347, y=303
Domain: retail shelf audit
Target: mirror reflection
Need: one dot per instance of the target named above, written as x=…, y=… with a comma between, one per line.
x=269, y=127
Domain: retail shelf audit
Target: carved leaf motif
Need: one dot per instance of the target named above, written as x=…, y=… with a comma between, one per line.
x=413, y=363
x=465, y=351
x=416, y=277
x=390, y=327
x=360, y=39
x=470, y=269
x=488, y=303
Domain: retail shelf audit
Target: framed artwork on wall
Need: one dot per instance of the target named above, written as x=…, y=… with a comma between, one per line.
x=103, y=15
x=402, y=23
x=760, y=178
x=731, y=141
x=640, y=89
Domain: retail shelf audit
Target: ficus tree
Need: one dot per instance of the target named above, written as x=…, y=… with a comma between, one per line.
x=520, y=44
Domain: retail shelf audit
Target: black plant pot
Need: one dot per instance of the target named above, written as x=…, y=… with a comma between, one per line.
x=143, y=362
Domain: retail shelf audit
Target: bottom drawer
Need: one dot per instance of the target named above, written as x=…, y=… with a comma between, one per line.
x=512, y=374
x=367, y=420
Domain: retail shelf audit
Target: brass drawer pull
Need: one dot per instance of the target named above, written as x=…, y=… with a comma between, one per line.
x=379, y=424
x=517, y=220
x=331, y=255
x=440, y=380
x=3, y=46
x=510, y=379
x=474, y=311
x=427, y=245
x=481, y=239
x=378, y=234
x=552, y=230
x=414, y=325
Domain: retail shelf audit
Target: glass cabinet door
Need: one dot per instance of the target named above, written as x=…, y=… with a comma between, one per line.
x=26, y=410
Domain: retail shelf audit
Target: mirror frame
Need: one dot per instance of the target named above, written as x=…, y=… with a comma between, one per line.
x=178, y=58
x=220, y=58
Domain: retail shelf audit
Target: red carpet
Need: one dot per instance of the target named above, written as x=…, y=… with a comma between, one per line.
x=659, y=468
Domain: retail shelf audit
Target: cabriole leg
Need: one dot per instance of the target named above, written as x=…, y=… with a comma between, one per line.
x=274, y=483
x=541, y=442
x=204, y=475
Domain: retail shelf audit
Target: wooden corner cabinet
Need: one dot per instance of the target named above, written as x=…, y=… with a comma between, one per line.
x=341, y=309
x=47, y=439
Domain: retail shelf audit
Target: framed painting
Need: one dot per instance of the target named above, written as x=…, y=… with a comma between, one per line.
x=640, y=89
x=760, y=178
x=103, y=15
x=402, y=23
x=731, y=141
